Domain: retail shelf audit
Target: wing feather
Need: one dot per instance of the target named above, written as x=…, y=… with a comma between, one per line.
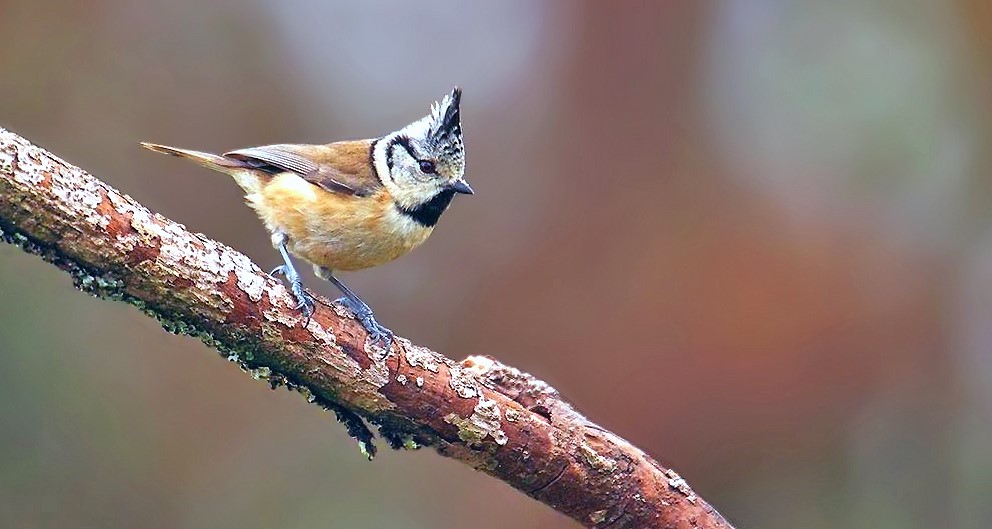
x=334, y=167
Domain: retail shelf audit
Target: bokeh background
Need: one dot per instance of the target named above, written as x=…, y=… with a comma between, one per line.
x=753, y=237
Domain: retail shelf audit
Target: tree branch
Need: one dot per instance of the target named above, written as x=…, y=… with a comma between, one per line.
x=479, y=411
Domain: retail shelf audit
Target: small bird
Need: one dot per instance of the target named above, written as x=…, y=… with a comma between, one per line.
x=350, y=205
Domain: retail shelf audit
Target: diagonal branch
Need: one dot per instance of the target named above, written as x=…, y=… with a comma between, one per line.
x=490, y=416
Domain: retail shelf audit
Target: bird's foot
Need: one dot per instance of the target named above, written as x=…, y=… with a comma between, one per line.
x=378, y=334
x=304, y=300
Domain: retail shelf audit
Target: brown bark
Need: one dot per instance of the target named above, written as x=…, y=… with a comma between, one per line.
x=491, y=416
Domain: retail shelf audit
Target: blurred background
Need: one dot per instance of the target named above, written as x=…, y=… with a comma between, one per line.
x=752, y=237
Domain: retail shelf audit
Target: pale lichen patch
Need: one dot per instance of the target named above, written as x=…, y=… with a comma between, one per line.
x=378, y=372
x=278, y=296
x=597, y=516
x=501, y=377
x=596, y=460
x=28, y=173
x=488, y=411
x=420, y=382
x=479, y=364
x=260, y=373
x=85, y=196
x=249, y=277
x=484, y=422
x=323, y=334
x=464, y=384
x=512, y=415
x=214, y=262
x=366, y=451
x=677, y=482
x=6, y=160
x=282, y=317
x=283, y=311
x=417, y=356
x=141, y=221
x=80, y=196
x=401, y=378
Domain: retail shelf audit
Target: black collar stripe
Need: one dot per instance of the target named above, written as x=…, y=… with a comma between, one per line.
x=428, y=213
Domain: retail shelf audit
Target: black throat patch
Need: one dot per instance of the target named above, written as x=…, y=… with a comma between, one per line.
x=427, y=213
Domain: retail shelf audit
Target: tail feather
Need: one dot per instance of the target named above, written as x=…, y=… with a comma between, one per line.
x=245, y=175
x=212, y=161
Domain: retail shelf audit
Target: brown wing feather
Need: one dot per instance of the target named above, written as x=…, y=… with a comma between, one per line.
x=341, y=167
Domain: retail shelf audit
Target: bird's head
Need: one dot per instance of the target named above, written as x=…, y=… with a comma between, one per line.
x=425, y=160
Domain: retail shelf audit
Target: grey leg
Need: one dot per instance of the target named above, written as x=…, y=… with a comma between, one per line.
x=287, y=270
x=363, y=312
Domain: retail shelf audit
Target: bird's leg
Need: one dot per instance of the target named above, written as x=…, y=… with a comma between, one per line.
x=303, y=298
x=363, y=312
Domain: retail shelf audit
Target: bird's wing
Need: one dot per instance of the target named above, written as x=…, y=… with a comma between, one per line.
x=342, y=167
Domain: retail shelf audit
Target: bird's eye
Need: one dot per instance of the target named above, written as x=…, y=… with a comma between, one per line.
x=428, y=167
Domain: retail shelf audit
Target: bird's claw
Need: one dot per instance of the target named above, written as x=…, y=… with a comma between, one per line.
x=378, y=334
x=305, y=301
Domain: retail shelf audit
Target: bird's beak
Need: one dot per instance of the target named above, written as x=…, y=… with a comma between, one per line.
x=461, y=186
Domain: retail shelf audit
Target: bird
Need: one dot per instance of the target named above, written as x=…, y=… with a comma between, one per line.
x=349, y=205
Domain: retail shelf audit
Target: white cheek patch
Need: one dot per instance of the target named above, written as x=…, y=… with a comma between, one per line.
x=412, y=196
x=379, y=159
x=405, y=182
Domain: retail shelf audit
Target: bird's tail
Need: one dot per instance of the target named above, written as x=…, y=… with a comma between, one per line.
x=247, y=177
